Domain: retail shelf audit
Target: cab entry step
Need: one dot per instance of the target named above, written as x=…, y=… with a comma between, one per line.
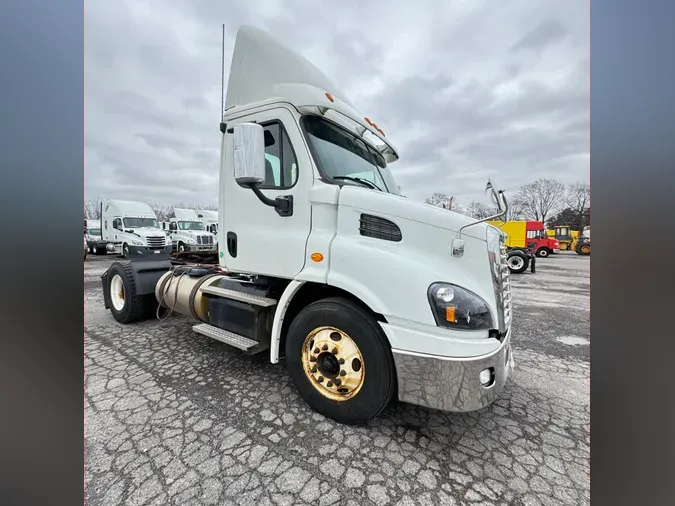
x=224, y=336
x=254, y=300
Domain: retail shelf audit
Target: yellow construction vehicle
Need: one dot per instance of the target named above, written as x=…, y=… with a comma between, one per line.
x=581, y=244
x=565, y=235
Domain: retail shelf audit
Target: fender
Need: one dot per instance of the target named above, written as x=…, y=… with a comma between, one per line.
x=279, y=314
x=146, y=274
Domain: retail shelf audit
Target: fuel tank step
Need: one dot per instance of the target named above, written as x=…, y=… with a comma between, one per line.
x=224, y=336
x=255, y=300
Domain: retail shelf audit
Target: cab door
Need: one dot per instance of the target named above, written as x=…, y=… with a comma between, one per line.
x=254, y=237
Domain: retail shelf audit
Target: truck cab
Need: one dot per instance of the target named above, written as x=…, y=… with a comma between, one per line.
x=366, y=295
x=95, y=243
x=188, y=232
x=131, y=229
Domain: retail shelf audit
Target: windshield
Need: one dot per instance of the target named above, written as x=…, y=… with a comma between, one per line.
x=191, y=225
x=140, y=223
x=346, y=158
x=94, y=231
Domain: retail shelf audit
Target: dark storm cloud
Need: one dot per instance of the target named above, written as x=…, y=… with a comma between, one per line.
x=466, y=91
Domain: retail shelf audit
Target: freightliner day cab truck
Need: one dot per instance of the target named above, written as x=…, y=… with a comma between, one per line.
x=188, y=232
x=368, y=296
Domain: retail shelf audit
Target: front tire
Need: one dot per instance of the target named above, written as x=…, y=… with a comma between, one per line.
x=517, y=262
x=126, y=253
x=181, y=247
x=543, y=253
x=340, y=361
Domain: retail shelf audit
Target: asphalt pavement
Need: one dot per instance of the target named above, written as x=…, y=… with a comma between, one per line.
x=172, y=417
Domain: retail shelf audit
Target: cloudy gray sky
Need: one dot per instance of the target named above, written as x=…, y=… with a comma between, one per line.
x=466, y=89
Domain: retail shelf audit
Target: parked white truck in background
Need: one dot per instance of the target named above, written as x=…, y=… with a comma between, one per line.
x=188, y=232
x=95, y=242
x=366, y=294
x=131, y=229
x=209, y=219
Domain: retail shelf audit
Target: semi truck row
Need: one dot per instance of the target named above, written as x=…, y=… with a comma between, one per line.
x=365, y=295
x=130, y=228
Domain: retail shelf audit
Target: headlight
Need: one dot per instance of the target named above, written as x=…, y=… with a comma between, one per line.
x=137, y=243
x=457, y=308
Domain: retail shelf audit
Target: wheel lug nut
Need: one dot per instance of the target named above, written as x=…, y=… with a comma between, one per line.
x=329, y=384
x=335, y=351
x=338, y=381
x=316, y=350
x=320, y=379
x=341, y=361
x=314, y=369
x=325, y=347
x=312, y=359
x=343, y=373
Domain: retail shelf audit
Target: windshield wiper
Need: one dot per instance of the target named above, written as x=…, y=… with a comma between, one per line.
x=365, y=182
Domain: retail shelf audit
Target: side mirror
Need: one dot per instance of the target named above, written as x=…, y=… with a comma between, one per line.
x=172, y=226
x=249, y=165
x=249, y=154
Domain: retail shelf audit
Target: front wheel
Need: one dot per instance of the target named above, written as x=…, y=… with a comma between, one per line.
x=543, y=253
x=125, y=251
x=517, y=262
x=340, y=361
x=181, y=247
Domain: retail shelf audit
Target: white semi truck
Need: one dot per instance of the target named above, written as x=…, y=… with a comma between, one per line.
x=366, y=295
x=188, y=232
x=131, y=229
x=209, y=219
x=95, y=243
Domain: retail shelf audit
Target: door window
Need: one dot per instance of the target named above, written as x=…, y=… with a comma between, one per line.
x=281, y=165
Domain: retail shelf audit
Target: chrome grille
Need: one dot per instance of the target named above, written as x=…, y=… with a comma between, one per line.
x=156, y=242
x=505, y=285
x=206, y=240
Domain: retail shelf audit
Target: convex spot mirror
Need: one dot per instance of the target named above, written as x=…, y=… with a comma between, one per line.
x=249, y=153
x=173, y=226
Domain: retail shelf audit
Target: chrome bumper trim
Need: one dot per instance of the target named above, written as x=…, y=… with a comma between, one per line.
x=450, y=384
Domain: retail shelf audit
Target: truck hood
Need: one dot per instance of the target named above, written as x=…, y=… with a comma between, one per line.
x=149, y=232
x=194, y=233
x=388, y=204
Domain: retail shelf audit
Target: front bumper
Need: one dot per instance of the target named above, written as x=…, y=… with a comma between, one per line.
x=200, y=247
x=148, y=252
x=556, y=250
x=452, y=384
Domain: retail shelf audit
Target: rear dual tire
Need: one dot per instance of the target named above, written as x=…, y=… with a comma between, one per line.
x=126, y=305
x=349, y=392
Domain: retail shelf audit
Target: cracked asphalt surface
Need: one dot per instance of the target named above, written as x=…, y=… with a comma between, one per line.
x=172, y=417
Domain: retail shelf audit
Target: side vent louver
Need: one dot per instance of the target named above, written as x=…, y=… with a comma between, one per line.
x=379, y=228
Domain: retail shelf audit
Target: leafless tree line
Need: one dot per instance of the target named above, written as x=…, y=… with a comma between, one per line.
x=538, y=201
x=163, y=212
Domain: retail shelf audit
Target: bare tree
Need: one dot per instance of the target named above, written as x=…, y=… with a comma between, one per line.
x=541, y=197
x=479, y=211
x=93, y=209
x=516, y=210
x=578, y=199
x=439, y=199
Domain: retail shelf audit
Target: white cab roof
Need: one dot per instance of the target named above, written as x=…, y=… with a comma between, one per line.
x=208, y=215
x=128, y=208
x=263, y=69
x=185, y=214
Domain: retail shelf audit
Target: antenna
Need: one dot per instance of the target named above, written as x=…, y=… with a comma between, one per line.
x=222, y=77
